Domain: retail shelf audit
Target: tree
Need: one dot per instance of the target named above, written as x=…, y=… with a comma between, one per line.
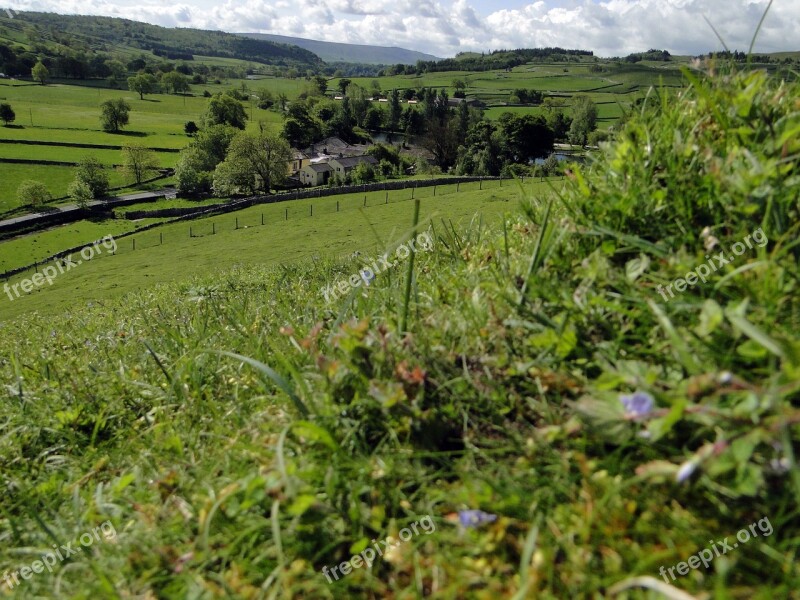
x=359, y=103
x=525, y=136
x=254, y=162
x=584, y=120
x=7, y=114
x=93, y=174
x=363, y=173
x=40, y=73
x=442, y=141
x=283, y=100
x=197, y=162
x=34, y=193
x=190, y=128
x=80, y=193
x=395, y=110
x=225, y=109
x=114, y=114
x=142, y=84
x=343, y=83
x=175, y=81
x=138, y=162
x=461, y=87
x=322, y=83
x=117, y=70
x=559, y=123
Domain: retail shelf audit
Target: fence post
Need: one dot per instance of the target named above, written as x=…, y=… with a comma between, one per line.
x=458, y=187
x=481, y=183
x=262, y=218
x=413, y=191
x=387, y=197
x=213, y=229
x=190, y=232
x=337, y=206
x=365, y=200
x=312, y=209
x=134, y=243
x=434, y=191
x=501, y=181
x=161, y=238
x=287, y=214
x=237, y=222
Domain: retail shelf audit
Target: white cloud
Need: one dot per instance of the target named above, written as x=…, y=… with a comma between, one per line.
x=445, y=27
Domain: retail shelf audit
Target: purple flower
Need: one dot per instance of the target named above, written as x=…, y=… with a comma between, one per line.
x=685, y=471
x=638, y=404
x=474, y=518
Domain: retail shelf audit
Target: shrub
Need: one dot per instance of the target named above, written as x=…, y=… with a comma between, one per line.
x=93, y=174
x=80, y=193
x=34, y=193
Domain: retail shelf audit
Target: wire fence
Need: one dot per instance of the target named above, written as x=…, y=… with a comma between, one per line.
x=208, y=222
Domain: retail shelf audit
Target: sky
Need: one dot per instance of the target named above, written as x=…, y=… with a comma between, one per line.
x=445, y=27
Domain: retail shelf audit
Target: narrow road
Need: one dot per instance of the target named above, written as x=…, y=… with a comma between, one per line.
x=108, y=202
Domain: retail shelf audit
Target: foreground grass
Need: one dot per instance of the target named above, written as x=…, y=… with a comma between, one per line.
x=241, y=433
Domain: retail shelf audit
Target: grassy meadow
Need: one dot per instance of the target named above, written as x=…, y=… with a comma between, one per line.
x=68, y=113
x=564, y=429
x=217, y=245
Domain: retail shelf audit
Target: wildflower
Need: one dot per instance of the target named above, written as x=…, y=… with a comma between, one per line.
x=710, y=243
x=475, y=518
x=685, y=471
x=725, y=377
x=638, y=404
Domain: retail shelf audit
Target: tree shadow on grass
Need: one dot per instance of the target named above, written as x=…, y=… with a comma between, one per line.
x=129, y=133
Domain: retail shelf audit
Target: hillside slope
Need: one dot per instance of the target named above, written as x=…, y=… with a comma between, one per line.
x=516, y=411
x=350, y=53
x=168, y=42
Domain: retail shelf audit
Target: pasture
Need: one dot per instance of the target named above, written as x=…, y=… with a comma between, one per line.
x=280, y=240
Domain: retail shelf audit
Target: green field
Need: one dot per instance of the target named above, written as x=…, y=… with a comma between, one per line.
x=302, y=236
x=523, y=389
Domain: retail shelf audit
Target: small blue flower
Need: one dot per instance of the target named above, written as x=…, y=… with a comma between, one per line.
x=474, y=518
x=685, y=471
x=638, y=404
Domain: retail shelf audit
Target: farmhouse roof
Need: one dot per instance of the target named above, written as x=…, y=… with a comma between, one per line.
x=320, y=167
x=352, y=161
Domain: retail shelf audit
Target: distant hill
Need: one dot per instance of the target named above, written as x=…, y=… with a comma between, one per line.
x=349, y=53
x=172, y=43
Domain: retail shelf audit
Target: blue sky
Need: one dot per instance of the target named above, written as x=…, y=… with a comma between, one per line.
x=446, y=27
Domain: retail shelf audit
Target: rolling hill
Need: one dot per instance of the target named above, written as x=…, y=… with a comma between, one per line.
x=104, y=33
x=350, y=53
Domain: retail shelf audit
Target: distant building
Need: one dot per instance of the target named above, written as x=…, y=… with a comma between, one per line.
x=299, y=160
x=315, y=174
x=342, y=166
x=332, y=147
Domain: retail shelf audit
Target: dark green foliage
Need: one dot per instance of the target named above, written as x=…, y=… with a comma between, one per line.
x=181, y=43
x=224, y=109
x=114, y=114
x=93, y=174
x=7, y=114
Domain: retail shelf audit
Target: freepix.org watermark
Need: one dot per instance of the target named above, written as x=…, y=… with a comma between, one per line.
x=366, y=275
x=367, y=556
x=58, y=554
x=705, y=556
x=714, y=262
x=50, y=272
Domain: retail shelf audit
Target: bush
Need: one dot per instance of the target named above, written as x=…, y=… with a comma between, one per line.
x=80, y=193
x=34, y=193
x=92, y=173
